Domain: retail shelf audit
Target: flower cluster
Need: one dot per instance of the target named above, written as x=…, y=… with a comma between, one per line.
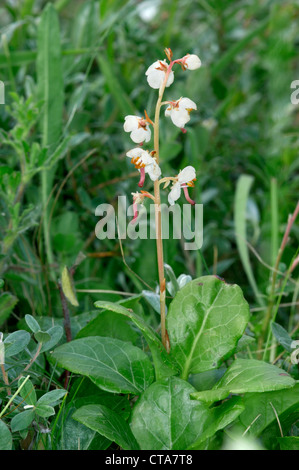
x=160, y=76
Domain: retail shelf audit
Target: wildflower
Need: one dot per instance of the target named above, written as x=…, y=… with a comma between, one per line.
x=191, y=62
x=139, y=128
x=179, y=111
x=145, y=163
x=138, y=198
x=156, y=74
x=184, y=179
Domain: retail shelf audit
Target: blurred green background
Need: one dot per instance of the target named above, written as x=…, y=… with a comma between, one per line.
x=245, y=125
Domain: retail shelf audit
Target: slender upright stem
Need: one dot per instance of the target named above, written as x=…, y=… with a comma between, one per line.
x=271, y=303
x=158, y=221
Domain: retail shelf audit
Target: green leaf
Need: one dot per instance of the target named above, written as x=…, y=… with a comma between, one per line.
x=74, y=435
x=32, y=323
x=259, y=414
x=165, y=418
x=220, y=417
x=282, y=336
x=153, y=299
x=241, y=200
x=172, y=285
x=163, y=365
x=22, y=420
x=68, y=287
x=55, y=334
x=112, y=324
x=44, y=410
x=7, y=303
x=42, y=336
x=111, y=364
x=5, y=437
x=288, y=443
x=50, y=92
x=113, y=83
x=247, y=376
x=206, y=319
x=27, y=392
x=107, y=423
x=52, y=398
x=16, y=342
x=49, y=75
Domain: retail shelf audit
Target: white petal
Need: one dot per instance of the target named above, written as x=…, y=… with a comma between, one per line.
x=193, y=62
x=154, y=171
x=155, y=78
x=135, y=153
x=138, y=135
x=131, y=123
x=168, y=111
x=186, y=103
x=180, y=117
x=155, y=65
x=170, y=79
x=147, y=159
x=174, y=193
x=186, y=175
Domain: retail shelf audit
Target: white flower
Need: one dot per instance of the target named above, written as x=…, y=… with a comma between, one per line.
x=139, y=128
x=184, y=179
x=145, y=163
x=156, y=74
x=179, y=111
x=191, y=61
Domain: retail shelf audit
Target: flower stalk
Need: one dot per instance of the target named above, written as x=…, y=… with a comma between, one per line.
x=158, y=220
x=159, y=76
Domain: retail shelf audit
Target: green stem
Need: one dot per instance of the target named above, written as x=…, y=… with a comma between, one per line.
x=158, y=222
x=13, y=397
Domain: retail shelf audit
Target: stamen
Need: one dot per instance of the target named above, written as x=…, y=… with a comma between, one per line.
x=135, y=210
x=185, y=188
x=183, y=130
x=142, y=177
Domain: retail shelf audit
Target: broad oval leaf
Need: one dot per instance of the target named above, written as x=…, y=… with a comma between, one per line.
x=5, y=437
x=112, y=364
x=22, y=420
x=206, y=319
x=259, y=408
x=165, y=418
x=164, y=366
x=247, y=376
x=16, y=342
x=107, y=423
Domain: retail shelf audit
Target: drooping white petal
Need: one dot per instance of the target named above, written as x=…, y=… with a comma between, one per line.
x=179, y=111
x=186, y=175
x=140, y=131
x=179, y=117
x=140, y=135
x=156, y=74
x=174, y=193
x=192, y=62
x=135, y=153
x=153, y=170
x=131, y=123
x=186, y=103
x=168, y=111
x=144, y=159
